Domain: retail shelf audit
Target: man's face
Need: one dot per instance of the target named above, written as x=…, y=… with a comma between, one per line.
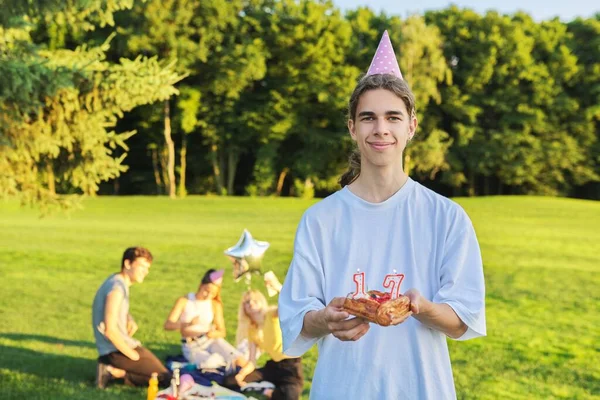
x=140, y=267
x=382, y=128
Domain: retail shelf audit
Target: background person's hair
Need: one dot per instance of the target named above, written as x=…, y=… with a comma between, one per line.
x=132, y=253
x=372, y=82
x=206, y=276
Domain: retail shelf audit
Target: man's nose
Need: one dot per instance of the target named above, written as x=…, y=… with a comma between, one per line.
x=381, y=127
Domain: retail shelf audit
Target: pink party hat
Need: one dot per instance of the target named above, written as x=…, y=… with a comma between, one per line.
x=216, y=275
x=384, y=61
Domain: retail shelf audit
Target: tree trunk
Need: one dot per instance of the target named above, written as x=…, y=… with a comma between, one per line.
x=214, y=159
x=281, y=179
x=183, y=165
x=232, y=160
x=164, y=166
x=223, y=168
x=51, y=178
x=171, y=151
x=156, y=168
x=471, y=181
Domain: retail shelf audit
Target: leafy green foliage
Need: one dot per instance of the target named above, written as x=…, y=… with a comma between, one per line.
x=57, y=111
x=505, y=104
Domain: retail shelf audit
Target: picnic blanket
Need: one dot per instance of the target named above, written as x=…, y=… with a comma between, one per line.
x=203, y=377
x=200, y=392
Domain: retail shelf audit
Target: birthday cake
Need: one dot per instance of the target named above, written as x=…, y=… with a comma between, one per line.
x=379, y=307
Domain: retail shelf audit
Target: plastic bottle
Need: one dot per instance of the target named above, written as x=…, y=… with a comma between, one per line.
x=153, y=386
x=175, y=383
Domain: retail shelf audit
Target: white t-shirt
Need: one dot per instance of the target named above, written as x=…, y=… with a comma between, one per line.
x=198, y=308
x=420, y=234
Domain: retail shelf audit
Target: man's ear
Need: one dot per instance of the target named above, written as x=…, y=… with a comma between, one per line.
x=414, y=123
x=127, y=264
x=351, y=129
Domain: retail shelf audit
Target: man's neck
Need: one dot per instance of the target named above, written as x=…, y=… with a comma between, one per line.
x=125, y=278
x=376, y=185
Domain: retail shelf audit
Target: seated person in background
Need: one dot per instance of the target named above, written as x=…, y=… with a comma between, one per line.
x=199, y=318
x=259, y=323
x=121, y=356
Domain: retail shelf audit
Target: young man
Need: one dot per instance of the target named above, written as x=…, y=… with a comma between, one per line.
x=379, y=222
x=120, y=355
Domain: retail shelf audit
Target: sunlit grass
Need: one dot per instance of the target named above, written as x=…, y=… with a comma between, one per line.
x=541, y=259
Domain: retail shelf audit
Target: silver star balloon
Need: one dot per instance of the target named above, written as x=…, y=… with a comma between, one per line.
x=246, y=255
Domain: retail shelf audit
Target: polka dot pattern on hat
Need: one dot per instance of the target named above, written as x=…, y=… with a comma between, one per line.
x=384, y=61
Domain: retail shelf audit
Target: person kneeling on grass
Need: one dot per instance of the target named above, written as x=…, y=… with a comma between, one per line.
x=259, y=323
x=122, y=356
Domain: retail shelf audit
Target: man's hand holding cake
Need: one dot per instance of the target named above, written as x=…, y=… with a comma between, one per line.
x=382, y=308
x=379, y=307
x=334, y=318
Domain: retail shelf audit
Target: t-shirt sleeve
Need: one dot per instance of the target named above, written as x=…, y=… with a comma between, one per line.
x=461, y=279
x=116, y=285
x=120, y=286
x=302, y=292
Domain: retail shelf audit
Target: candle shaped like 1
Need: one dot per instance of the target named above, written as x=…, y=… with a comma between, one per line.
x=359, y=279
x=393, y=281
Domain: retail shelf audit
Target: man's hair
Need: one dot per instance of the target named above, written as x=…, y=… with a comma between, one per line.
x=135, y=252
x=372, y=82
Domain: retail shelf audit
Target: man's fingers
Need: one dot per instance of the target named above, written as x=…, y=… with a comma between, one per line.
x=347, y=324
x=334, y=315
x=412, y=294
x=352, y=334
x=415, y=300
x=362, y=333
x=401, y=319
x=337, y=302
x=350, y=323
x=414, y=307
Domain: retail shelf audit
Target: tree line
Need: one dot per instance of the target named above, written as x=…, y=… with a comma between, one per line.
x=248, y=97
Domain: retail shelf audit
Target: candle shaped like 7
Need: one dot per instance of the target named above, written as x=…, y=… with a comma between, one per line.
x=359, y=279
x=393, y=281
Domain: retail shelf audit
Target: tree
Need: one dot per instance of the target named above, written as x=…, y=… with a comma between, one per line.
x=511, y=114
x=57, y=108
x=308, y=83
x=214, y=46
x=229, y=78
x=173, y=30
x=584, y=42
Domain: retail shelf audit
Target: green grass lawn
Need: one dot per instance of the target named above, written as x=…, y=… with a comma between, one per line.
x=541, y=260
